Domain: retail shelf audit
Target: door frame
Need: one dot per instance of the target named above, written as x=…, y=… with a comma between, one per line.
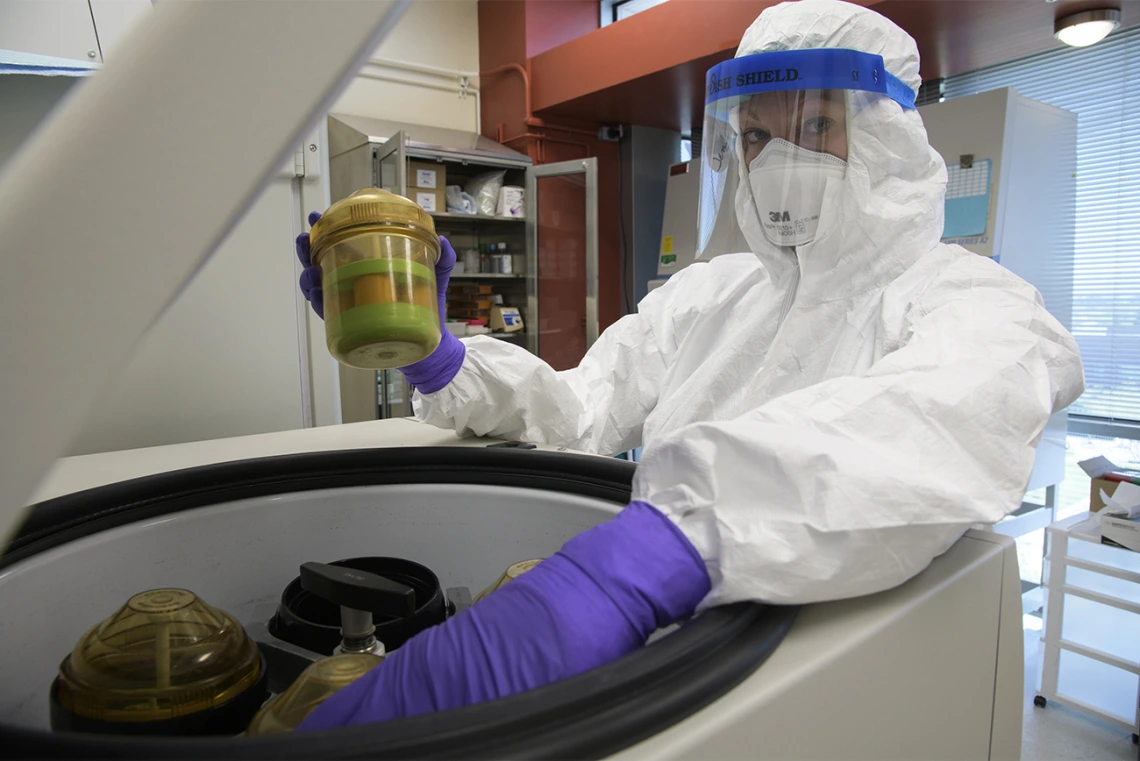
x=589, y=168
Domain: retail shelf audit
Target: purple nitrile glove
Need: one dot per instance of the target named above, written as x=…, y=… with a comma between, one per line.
x=594, y=601
x=311, y=275
x=436, y=370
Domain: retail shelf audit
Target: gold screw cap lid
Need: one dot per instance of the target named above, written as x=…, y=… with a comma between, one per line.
x=164, y=654
x=512, y=573
x=315, y=685
x=370, y=207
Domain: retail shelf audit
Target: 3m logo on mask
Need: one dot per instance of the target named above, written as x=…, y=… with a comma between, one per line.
x=779, y=216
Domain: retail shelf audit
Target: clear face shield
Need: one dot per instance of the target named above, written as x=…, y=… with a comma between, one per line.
x=776, y=140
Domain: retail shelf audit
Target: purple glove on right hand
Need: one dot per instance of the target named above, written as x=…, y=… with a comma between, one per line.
x=437, y=369
x=429, y=374
x=596, y=600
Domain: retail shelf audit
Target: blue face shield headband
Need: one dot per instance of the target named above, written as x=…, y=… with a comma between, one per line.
x=820, y=69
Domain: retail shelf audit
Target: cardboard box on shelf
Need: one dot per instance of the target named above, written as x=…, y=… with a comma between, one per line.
x=464, y=303
x=1098, y=485
x=431, y=201
x=471, y=289
x=1120, y=531
x=1097, y=468
x=427, y=175
x=463, y=313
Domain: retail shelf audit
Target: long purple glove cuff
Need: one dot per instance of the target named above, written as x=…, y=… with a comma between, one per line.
x=594, y=601
x=437, y=369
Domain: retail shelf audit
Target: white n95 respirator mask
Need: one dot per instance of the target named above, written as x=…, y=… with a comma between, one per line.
x=788, y=184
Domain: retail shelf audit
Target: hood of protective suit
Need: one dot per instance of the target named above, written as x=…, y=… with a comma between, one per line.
x=819, y=431
x=888, y=209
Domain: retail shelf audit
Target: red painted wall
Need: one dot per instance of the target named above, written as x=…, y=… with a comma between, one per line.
x=550, y=23
x=508, y=31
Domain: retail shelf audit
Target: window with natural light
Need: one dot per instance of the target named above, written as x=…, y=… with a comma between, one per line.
x=618, y=10
x=1100, y=85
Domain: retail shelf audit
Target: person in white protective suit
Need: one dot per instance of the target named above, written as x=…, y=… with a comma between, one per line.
x=822, y=414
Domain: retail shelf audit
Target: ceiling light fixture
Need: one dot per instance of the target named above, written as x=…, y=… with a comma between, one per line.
x=1087, y=28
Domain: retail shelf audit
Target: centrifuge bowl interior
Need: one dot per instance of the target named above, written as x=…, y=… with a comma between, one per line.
x=236, y=533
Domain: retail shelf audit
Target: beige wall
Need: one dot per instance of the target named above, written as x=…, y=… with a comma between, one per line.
x=439, y=33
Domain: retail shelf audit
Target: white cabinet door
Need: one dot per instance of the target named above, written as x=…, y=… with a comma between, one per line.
x=61, y=28
x=114, y=18
x=224, y=359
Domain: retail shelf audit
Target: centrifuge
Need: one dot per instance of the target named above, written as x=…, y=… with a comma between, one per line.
x=124, y=572
x=931, y=669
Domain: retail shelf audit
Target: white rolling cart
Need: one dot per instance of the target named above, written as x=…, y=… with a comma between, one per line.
x=1090, y=648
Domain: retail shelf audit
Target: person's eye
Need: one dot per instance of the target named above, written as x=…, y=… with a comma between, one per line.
x=818, y=126
x=754, y=136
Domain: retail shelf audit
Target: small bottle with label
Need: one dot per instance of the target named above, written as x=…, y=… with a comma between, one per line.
x=505, y=260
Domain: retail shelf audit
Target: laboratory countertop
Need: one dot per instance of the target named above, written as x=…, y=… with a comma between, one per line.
x=72, y=474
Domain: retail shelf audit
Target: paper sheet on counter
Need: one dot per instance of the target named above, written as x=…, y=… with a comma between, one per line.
x=1097, y=467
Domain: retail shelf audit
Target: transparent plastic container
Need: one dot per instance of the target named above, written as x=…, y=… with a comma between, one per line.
x=315, y=685
x=377, y=252
x=164, y=663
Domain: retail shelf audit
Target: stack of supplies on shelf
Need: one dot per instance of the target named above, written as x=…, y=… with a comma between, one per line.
x=1116, y=499
x=470, y=302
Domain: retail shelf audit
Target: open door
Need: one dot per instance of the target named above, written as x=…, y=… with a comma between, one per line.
x=392, y=165
x=392, y=175
x=562, y=250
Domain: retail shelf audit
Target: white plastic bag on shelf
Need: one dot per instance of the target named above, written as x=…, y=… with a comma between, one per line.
x=459, y=202
x=485, y=190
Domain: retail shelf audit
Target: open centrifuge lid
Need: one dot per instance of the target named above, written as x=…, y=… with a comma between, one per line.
x=132, y=182
x=588, y=716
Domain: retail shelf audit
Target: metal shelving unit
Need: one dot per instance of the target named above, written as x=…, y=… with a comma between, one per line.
x=369, y=152
x=452, y=216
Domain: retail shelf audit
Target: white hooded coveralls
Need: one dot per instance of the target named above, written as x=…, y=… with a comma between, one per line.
x=821, y=422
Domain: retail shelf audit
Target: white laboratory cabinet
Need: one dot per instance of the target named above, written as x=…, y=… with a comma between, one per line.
x=1011, y=195
x=73, y=29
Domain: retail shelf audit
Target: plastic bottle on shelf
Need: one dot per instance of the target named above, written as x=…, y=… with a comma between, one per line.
x=505, y=260
x=471, y=261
